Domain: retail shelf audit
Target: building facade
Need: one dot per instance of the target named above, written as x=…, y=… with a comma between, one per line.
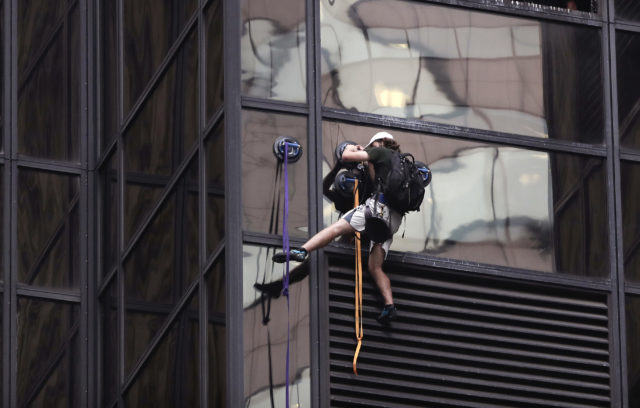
x=142, y=202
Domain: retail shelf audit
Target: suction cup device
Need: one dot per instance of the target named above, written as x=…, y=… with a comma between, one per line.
x=294, y=151
x=425, y=171
x=344, y=183
x=340, y=149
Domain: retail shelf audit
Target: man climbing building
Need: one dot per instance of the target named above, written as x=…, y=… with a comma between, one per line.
x=374, y=217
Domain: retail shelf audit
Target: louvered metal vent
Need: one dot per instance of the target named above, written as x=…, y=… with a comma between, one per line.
x=468, y=341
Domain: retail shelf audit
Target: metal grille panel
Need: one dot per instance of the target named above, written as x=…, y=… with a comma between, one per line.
x=468, y=341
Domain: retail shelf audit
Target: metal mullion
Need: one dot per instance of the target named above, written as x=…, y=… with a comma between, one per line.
x=157, y=76
x=628, y=155
x=479, y=135
x=202, y=203
x=275, y=105
x=120, y=308
x=532, y=11
x=106, y=281
x=262, y=239
x=217, y=116
x=632, y=288
x=627, y=27
x=106, y=153
x=159, y=336
x=618, y=343
x=7, y=292
x=213, y=258
x=137, y=235
x=11, y=369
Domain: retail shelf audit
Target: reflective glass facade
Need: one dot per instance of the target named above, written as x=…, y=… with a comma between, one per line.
x=143, y=199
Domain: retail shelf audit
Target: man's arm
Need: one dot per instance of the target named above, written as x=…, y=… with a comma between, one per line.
x=354, y=153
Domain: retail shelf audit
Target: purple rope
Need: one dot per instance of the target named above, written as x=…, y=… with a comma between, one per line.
x=285, y=248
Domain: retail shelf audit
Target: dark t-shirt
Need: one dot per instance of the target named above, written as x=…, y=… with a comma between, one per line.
x=381, y=159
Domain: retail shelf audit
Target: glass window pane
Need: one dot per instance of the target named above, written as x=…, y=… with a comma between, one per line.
x=464, y=68
x=162, y=266
x=627, y=10
x=215, y=61
x=265, y=331
x=48, y=229
x=170, y=378
x=630, y=191
x=150, y=29
x=109, y=71
x=628, y=65
x=2, y=197
x=215, y=188
x=497, y=204
x=217, y=344
x=109, y=343
x=262, y=181
x=633, y=349
x=109, y=215
x=161, y=135
x=49, y=79
x=274, y=49
x=48, y=354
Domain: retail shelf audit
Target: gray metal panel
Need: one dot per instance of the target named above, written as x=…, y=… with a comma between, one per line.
x=465, y=340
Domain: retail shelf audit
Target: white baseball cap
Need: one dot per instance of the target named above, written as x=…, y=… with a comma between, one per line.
x=379, y=136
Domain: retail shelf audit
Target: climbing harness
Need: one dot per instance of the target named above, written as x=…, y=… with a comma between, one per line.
x=358, y=285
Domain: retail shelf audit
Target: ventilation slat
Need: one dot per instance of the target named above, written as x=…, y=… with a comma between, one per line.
x=464, y=340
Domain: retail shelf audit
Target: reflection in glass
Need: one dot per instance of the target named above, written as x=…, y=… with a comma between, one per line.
x=161, y=135
x=49, y=79
x=48, y=373
x=498, y=204
x=633, y=349
x=215, y=61
x=579, y=5
x=463, y=68
x=109, y=343
x=273, y=49
x=628, y=65
x=630, y=191
x=150, y=29
x=48, y=229
x=265, y=331
x=262, y=174
x=109, y=71
x=109, y=214
x=628, y=10
x=162, y=266
x=215, y=187
x=216, y=333
x=170, y=378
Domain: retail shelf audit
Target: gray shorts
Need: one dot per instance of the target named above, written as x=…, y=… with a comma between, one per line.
x=356, y=218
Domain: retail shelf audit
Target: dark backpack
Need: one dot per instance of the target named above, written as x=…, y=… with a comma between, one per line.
x=404, y=186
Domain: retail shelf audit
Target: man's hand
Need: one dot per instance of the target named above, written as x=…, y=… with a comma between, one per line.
x=354, y=153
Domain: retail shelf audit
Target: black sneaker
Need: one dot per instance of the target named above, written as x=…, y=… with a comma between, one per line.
x=388, y=314
x=296, y=255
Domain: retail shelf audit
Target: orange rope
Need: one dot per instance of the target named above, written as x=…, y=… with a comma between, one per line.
x=359, y=331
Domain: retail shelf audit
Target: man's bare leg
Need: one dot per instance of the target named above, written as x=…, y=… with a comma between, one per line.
x=324, y=237
x=376, y=258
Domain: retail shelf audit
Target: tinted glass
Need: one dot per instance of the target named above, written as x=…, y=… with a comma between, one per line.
x=161, y=135
x=48, y=354
x=273, y=49
x=109, y=71
x=262, y=174
x=170, y=376
x=2, y=83
x=265, y=331
x=49, y=79
x=628, y=10
x=577, y=5
x=215, y=188
x=161, y=267
x=150, y=29
x=633, y=349
x=463, y=68
x=628, y=64
x=2, y=223
x=216, y=339
x=497, y=204
x=630, y=190
x=109, y=215
x=48, y=229
x=215, y=61
x=109, y=343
